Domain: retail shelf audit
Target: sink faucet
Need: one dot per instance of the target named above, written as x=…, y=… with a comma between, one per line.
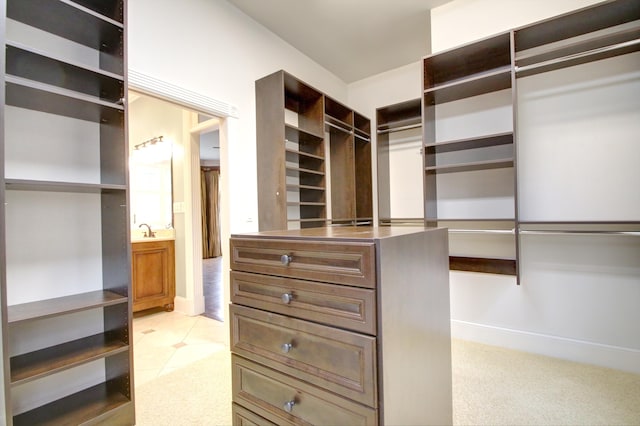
x=149, y=234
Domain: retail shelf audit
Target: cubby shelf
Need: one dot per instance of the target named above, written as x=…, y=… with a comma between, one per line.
x=101, y=401
x=37, y=364
x=471, y=166
x=62, y=305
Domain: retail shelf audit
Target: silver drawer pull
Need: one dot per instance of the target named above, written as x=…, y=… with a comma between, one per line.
x=288, y=406
x=286, y=347
x=286, y=298
x=285, y=259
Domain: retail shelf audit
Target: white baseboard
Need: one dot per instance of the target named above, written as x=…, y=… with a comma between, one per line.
x=616, y=357
x=188, y=306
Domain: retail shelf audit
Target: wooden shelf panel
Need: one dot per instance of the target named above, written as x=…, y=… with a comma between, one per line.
x=307, y=171
x=112, y=9
x=42, y=97
x=479, y=84
x=30, y=64
x=470, y=143
x=467, y=62
x=62, y=305
x=298, y=135
x=81, y=407
x=305, y=187
x=50, y=186
x=37, y=364
x=576, y=23
x=472, y=166
x=399, y=114
x=484, y=265
x=304, y=154
x=89, y=28
x=305, y=203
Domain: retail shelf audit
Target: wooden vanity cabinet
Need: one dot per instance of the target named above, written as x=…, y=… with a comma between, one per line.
x=341, y=325
x=154, y=278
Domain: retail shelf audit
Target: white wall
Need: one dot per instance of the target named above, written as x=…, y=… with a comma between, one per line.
x=211, y=48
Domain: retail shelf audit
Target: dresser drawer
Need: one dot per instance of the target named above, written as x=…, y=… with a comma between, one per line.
x=340, y=263
x=346, y=307
x=284, y=399
x=337, y=360
x=243, y=417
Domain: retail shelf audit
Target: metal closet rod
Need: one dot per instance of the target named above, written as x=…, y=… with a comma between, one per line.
x=577, y=55
x=399, y=129
x=547, y=232
x=344, y=129
x=154, y=140
x=482, y=231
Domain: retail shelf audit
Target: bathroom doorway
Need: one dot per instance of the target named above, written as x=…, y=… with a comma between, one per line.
x=195, y=132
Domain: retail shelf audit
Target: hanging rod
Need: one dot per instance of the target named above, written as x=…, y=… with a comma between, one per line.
x=338, y=127
x=577, y=55
x=630, y=233
x=399, y=129
x=483, y=231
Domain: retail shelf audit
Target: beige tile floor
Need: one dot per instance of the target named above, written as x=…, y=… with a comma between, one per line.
x=166, y=341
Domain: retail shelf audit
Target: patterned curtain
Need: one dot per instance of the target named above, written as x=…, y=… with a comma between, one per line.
x=211, y=246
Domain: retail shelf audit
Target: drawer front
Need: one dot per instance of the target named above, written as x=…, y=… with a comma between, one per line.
x=337, y=360
x=341, y=306
x=340, y=263
x=243, y=417
x=283, y=399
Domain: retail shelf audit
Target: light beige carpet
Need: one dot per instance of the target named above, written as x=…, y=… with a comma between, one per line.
x=491, y=386
x=199, y=394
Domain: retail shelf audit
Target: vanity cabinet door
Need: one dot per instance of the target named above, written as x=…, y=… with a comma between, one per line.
x=153, y=267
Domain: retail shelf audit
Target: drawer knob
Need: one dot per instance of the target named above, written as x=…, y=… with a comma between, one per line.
x=286, y=298
x=286, y=347
x=285, y=259
x=288, y=406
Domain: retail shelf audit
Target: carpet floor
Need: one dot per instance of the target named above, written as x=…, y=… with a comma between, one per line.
x=491, y=386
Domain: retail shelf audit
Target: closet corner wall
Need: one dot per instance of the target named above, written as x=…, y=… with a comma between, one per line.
x=65, y=256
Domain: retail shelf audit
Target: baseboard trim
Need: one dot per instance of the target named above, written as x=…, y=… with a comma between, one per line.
x=609, y=356
x=187, y=306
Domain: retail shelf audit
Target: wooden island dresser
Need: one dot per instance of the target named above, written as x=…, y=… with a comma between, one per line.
x=341, y=326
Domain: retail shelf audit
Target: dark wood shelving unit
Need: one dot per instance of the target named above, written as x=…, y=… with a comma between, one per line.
x=326, y=145
x=38, y=81
x=479, y=68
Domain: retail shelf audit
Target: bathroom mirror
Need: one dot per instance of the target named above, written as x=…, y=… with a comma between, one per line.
x=153, y=126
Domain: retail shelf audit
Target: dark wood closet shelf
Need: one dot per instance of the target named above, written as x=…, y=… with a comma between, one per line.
x=309, y=187
x=470, y=143
x=303, y=135
x=471, y=166
x=89, y=28
x=82, y=407
x=37, y=364
x=49, y=186
x=482, y=264
x=304, y=154
x=478, y=84
x=30, y=64
x=306, y=203
x=308, y=171
x=63, y=305
x=42, y=97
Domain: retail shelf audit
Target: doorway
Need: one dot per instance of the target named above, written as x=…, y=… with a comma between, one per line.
x=199, y=132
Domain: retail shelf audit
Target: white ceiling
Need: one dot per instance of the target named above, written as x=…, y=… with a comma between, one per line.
x=353, y=39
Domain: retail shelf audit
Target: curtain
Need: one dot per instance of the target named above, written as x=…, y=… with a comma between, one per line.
x=211, y=246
